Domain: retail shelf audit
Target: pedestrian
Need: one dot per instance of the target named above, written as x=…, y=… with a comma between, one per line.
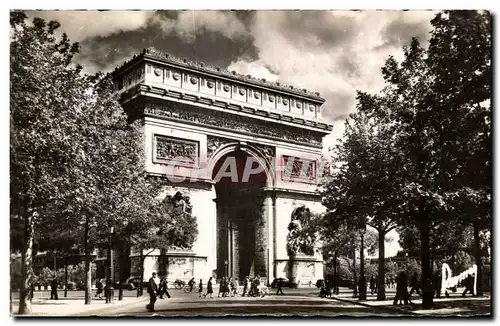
x=221, y=287
x=152, y=290
x=230, y=286
x=392, y=282
x=373, y=285
x=436, y=284
x=336, y=285
x=210, y=290
x=401, y=289
x=31, y=292
x=236, y=285
x=257, y=285
x=414, y=284
x=99, y=286
x=246, y=286
x=226, y=287
x=469, y=285
x=200, y=289
x=108, y=289
x=163, y=289
x=53, y=287
x=279, y=284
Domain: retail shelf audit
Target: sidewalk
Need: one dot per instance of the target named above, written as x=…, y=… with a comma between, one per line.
x=455, y=305
x=72, y=306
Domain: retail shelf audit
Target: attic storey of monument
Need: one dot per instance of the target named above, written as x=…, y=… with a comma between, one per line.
x=255, y=148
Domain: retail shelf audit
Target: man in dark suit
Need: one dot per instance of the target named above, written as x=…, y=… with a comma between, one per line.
x=53, y=292
x=152, y=290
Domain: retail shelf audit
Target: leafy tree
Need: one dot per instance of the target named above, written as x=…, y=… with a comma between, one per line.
x=427, y=115
x=43, y=85
x=363, y=190
x=460, y=57
x=169, y=224
x=76, y=162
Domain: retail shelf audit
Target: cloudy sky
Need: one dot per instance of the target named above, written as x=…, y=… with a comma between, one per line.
x=331, y=52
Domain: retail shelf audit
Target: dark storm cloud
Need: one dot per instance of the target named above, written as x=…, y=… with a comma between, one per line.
x=104, y=53
x=331, y=52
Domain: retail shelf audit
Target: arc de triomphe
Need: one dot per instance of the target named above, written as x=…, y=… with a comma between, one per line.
x=209, y=120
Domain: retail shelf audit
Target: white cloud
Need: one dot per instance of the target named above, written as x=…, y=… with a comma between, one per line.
x=334, y=53
x=82, y=24
x=188, y=23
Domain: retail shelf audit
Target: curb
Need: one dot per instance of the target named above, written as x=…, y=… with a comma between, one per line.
x=92, y=312
x=391, y=309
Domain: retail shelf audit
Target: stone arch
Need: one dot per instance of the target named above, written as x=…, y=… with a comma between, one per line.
x=248, y=149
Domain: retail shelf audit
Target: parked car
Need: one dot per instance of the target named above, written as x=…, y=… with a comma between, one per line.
x=284, y=282
x=133, y=282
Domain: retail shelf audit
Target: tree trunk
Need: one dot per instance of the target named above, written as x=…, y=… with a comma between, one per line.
x=27, y=264
x=66, y=277
x=141, y=270
x=88, y=270
x=477, y=257
x=427, y=287
x=335, y=268
x=381, y=265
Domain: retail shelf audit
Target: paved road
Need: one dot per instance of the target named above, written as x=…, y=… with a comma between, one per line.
x=304, y=302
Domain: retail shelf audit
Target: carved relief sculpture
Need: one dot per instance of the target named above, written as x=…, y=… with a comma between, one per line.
x=214, y=143
x=296, y=242
x=227, y=121
x=298, y=168
x=170, y=148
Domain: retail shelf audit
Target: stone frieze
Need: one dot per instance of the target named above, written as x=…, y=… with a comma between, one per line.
x=231, y=122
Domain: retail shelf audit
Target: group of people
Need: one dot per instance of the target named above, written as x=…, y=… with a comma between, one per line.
x=228, y=287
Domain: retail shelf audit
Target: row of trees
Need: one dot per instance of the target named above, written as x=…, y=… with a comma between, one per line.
x=417, y=155
x=77, y=161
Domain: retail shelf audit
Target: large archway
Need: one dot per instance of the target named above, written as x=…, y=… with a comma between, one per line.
x=240, y=220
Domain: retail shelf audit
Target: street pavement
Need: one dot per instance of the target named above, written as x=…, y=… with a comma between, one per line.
x=295, y=302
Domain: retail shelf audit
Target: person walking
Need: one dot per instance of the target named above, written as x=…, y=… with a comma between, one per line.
x=373, y=285
x=31, y=292
x=200, y=289
x=401, y=289
x=246, y=285
x=210, y=289
x=163, y=289
x=152, y=290
x=221, y=287
x=236, y=285
x=469, y=285
x=279, y=285
x=99, y=286
x=53, y=289
x=414, y=284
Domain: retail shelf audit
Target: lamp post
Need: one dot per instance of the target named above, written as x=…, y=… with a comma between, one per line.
x=226, y=271
x=362, y=285
x=110, y=282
